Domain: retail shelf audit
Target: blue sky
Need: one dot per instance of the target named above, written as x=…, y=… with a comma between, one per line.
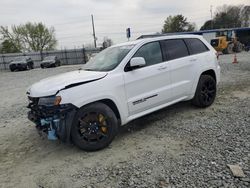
x=72, y=18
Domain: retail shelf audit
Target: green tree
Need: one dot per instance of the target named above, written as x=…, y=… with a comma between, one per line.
x=8, y=47
x=177, y=23
x=227, y=16
x=30, y=37
x=207, y=25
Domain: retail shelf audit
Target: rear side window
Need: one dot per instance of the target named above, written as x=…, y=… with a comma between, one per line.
x=151, y=52
x=175, y=49
x=196, y=46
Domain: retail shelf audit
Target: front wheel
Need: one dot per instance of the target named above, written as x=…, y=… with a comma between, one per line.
x=205, y=91
x=94, y=127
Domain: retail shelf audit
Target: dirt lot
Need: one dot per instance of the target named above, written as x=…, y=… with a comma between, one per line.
x=179, y=146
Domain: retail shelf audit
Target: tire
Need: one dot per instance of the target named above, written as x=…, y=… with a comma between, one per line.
x=42, y=66
x=31, y=65
x=239, y=47
x=229, y=49
x=205, y=92
x=94, y=127
x=12, y=69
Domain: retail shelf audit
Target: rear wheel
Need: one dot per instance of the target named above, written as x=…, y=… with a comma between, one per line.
x=94, y=127
x=229, y=49
x=239, y=47
x=30, y=65
x=205, y=91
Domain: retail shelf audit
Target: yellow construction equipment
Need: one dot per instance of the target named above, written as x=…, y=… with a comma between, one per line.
x=226, y=43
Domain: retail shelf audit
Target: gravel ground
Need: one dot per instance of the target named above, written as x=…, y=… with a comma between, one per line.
x=179, y=146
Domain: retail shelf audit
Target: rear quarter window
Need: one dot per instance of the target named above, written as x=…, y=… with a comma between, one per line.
x=196, y=46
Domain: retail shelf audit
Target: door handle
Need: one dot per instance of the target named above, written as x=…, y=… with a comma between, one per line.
x=162, y=68
x=194, y=59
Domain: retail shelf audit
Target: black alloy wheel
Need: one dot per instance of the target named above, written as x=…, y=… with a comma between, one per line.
x=205, y=92
x=95, y=127
x=208, y=91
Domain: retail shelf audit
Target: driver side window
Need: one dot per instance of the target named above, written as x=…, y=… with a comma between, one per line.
x=151, y=52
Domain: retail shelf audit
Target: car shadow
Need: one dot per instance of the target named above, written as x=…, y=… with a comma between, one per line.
x=149, y=119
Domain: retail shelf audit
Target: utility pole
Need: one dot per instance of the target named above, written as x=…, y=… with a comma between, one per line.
x=211, y=11
x=93, y=26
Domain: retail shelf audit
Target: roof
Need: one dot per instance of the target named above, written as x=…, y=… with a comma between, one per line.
x=156, y=38
x=134, y=42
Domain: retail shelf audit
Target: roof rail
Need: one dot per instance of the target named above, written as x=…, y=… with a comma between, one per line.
x=194, y=32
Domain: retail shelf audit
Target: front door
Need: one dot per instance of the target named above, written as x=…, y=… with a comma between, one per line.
x=148, y=86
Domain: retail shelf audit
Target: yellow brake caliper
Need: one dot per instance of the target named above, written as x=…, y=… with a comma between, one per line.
x=103, y=123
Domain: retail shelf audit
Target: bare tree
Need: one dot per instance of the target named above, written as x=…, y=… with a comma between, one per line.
x=229, y=16
x=107, y=42
x=245, y=16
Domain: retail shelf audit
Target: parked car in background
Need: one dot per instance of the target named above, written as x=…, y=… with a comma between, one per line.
x=21, y=63
x=50, y=61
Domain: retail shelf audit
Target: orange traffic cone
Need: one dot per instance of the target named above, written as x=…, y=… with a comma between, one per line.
x=235, y=61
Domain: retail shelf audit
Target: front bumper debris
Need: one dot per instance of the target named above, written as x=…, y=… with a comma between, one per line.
x=55, y=121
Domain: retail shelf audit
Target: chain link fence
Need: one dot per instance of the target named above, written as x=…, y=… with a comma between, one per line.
x=67, y=57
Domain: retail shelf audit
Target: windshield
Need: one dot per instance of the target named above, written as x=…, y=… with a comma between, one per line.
x=108, y=59
x=19, y=59
x=49, y=58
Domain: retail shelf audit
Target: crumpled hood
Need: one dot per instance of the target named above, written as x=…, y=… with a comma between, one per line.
x=51, y=85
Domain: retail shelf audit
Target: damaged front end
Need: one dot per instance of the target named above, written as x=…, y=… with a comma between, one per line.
x=51, y=117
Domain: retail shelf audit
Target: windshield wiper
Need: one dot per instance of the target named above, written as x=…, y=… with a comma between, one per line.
x=88, y=69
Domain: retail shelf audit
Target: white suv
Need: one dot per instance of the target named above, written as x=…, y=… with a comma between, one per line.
x=122, y=83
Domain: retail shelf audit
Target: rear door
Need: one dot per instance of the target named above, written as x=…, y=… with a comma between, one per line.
x=148, y=86
x=199, y=51
x=181, y=66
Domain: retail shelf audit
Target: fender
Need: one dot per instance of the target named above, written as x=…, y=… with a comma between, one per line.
x=197, y=78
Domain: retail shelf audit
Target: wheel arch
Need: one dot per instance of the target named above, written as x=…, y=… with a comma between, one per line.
x=113, y=107
x=110, y=103
x=210, y=72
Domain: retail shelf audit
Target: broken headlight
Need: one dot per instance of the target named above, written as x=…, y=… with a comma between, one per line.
x=50, y=101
